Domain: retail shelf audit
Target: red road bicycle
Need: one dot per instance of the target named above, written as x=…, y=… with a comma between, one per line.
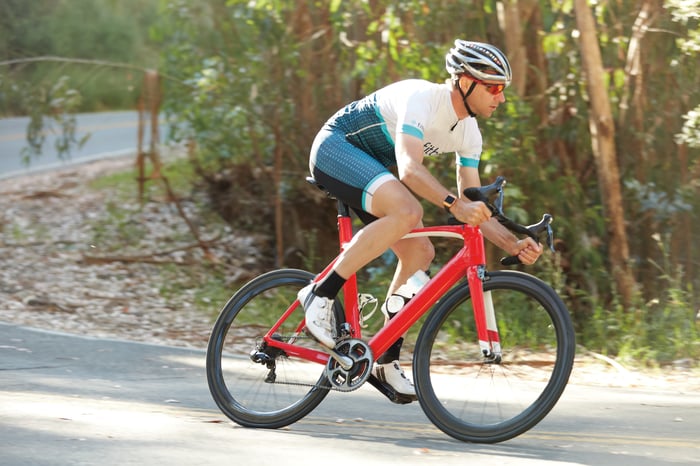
x=491, y=358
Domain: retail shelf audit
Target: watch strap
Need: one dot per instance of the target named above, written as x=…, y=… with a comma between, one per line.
x=449, y=202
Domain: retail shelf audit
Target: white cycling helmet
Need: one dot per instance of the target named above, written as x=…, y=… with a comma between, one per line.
x=481, y=61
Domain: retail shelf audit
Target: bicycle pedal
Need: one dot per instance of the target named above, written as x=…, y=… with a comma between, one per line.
x=389, y=392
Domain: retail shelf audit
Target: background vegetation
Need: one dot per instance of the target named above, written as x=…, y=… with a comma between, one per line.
x=252, y=81
x=113, y=31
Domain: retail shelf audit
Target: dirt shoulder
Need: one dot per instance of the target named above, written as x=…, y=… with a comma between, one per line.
x=54, y=235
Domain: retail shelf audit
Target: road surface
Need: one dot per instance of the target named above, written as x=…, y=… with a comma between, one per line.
x=111, y=134
x=67, y=400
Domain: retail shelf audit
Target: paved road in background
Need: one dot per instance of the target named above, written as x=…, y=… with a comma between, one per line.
x=69, y=400
x=111, y=134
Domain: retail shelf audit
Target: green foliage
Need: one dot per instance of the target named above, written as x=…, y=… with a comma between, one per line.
x=688, y=13
x=221, y=52
x=690, y=133
x=52, y=107
x=658, y=332
x=106, y=30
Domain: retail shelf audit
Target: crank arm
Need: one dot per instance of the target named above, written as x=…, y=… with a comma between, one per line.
x=344, y=361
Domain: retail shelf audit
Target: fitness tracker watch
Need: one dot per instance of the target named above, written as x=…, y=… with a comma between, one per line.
x=449, y=202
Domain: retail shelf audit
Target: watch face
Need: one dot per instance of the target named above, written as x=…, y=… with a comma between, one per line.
x=449, y=201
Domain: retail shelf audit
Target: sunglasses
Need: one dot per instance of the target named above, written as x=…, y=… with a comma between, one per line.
x=494, y=89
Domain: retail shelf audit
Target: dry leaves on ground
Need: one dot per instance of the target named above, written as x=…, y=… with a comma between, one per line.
x=67, y=262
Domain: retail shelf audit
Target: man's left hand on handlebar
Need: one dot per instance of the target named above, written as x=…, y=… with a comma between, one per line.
x=471, y=213
x=527, y=250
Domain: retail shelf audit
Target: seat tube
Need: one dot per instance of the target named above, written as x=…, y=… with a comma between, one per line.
x=352, y=310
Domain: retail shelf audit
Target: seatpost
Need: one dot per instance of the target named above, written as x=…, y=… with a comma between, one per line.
x=344, y=224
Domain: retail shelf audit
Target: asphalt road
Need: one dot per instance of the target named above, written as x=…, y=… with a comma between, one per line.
x=111, y=134
x=75, y=400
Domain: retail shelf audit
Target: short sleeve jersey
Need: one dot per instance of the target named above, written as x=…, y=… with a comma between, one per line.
x=424, y=109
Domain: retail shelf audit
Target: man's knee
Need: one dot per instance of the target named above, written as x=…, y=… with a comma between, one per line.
x=417, y=251
x=427, y=250
x=411, y=214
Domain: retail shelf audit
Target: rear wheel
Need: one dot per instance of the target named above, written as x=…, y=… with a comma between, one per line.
x=255, y=385
x=479, y=401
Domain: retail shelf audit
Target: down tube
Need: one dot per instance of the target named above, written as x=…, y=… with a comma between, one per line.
x=450, y=274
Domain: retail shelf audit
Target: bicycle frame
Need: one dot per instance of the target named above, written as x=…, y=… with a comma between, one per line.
x=469, y=261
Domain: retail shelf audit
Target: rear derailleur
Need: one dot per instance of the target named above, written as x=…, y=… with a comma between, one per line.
x=267, y=356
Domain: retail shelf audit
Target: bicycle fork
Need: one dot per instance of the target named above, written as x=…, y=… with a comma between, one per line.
x=484, y=315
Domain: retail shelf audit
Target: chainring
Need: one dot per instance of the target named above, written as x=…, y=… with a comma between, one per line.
x=350, y=379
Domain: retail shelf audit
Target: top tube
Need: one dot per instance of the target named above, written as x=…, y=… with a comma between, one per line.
x=443, y=231
x=455, y=229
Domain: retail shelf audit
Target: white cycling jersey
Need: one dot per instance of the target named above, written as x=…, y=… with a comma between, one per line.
x=424, y=109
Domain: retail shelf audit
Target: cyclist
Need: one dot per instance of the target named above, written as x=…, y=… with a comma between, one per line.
x=395, y=128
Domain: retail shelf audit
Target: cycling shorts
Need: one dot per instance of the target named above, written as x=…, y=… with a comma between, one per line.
x=347, y=171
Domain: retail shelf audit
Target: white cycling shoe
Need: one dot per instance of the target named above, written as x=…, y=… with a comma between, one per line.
x=319, y=316
x=392, y=375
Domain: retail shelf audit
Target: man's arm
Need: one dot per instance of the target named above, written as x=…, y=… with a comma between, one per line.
x=413, y=174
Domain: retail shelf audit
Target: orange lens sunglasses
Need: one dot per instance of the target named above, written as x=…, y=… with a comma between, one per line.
x=494, y=89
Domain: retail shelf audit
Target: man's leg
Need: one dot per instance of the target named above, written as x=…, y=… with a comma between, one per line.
x=397, y=212
x=413, y=254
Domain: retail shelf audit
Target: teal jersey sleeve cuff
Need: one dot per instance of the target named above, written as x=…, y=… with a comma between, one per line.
x=412, y=131
x=467, y=162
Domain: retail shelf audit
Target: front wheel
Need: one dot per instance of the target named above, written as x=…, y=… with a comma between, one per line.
x=255, y=385
x=475, y=400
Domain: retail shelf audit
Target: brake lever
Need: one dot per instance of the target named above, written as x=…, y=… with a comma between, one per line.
x=485, y=193
x=550, y=238
x=543, y=226
x=534, y=231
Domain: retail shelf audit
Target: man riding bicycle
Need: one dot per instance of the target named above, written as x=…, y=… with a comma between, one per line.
x=398, y=126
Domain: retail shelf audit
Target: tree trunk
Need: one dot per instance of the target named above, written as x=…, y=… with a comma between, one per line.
x=515, y=48
x=602, y=129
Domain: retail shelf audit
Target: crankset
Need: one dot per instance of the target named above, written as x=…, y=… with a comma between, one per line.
x=350, y=366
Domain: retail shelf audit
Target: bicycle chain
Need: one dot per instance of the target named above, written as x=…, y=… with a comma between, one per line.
x=299, y=384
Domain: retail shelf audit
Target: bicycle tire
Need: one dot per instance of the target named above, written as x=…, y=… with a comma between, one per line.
x=240, y=387
x=476, y=401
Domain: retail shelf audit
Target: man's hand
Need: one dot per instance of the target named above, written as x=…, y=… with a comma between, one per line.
x=527, y=250
x=471, y=213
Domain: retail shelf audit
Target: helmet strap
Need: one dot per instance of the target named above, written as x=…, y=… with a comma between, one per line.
x=464, y=96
